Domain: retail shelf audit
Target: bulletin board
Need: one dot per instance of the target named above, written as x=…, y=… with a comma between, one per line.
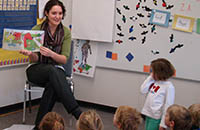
x=16, y=14
x=137, y=41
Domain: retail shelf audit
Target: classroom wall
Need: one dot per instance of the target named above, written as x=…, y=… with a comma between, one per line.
x=12, y=81
x=114, y=87
x=108, y=87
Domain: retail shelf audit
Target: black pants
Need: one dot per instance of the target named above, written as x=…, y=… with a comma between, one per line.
x=56, y=87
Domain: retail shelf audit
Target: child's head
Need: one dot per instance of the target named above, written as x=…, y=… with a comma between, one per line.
x=195, y=113
x=89, y=120
x=162, y=69
x=52, y=121
x=127, y=118
x=178, y=118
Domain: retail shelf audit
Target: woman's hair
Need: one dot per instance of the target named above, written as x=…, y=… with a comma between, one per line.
x=127, y=118
x=181, y=117
x=52, y=121
x=52, y=3
x=89, y=120
x=195, y=113
x=162, y=69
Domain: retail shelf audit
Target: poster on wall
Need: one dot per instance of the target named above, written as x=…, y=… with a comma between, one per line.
x=93, y=20
x=159, y=17
x=183, y=23
x=85, y=53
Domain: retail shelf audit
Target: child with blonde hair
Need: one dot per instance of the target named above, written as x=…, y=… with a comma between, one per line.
x=127, y=118
x=89, y=120
x=52, y=121
x=195, y=113
x=160, y=94
x=178, y=118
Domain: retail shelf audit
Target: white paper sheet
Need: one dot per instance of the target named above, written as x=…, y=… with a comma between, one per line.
x=93, y=20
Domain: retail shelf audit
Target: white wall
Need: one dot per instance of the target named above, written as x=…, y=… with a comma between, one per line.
x=115, y=87
x=12, y=81
x=108, y=87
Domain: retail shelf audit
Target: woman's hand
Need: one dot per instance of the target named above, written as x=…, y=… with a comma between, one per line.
x=46, y=51
x=25, y=52
x=49, y=53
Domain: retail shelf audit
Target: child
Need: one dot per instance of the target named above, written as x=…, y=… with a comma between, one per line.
x=160, y=94
x=52, y=121
x=178, y=118
x=195, y=113
x=127, y=118
x=89, y=120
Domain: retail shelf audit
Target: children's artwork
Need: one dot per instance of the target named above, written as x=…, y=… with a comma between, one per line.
x=15, y=40
x=198, y=26
x=183, y=23
x=160, y=17
x=85, y=57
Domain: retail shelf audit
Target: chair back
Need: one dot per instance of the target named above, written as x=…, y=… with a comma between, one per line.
x=69, y=65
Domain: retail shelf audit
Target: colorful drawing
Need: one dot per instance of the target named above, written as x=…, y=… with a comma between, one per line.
x=22, y=39
x=160, y=17
x=183, y=23
x=85, y=57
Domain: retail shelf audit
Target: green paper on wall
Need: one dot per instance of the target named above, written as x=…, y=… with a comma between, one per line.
x=198, y=25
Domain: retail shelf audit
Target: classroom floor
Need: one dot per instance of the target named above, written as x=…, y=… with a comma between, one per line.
x=7, y=120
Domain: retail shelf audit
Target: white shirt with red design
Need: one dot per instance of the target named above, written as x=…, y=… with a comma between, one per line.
x=160, y=95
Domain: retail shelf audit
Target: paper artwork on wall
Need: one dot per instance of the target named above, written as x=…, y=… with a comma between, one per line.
x=183, y=23
x=41, y=7
x=85, y=53
x=198, y=26
x=90, y=22
x=160, y=17
x=111, y=55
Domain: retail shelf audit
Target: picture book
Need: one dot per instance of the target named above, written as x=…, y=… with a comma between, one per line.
x=14, y=39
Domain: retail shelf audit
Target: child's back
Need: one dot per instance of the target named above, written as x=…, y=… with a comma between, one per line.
x=89, y=120
x=178, y=118
x=52, y=121
x=127, y=118
x=195, y=113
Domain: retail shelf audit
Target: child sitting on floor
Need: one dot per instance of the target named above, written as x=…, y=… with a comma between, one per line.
x=52, y=121
x=195, y=113
x=127, y=118
x=89, y=120
x=178, y=118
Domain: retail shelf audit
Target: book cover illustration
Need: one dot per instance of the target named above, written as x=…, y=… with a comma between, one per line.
x=14, y=39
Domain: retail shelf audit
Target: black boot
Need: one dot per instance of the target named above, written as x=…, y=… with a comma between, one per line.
x=76, y=113
x=35, y=128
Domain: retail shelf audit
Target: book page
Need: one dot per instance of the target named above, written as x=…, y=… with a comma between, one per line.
x=14, y=39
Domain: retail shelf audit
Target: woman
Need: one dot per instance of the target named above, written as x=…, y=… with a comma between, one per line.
x=47, y=70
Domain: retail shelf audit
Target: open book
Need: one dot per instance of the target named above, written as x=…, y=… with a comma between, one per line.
x=14, y=39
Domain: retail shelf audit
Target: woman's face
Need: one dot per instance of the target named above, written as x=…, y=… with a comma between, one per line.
x=55, y=15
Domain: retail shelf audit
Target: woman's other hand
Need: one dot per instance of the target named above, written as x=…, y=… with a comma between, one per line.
x=46, y=51
x=25, y=52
